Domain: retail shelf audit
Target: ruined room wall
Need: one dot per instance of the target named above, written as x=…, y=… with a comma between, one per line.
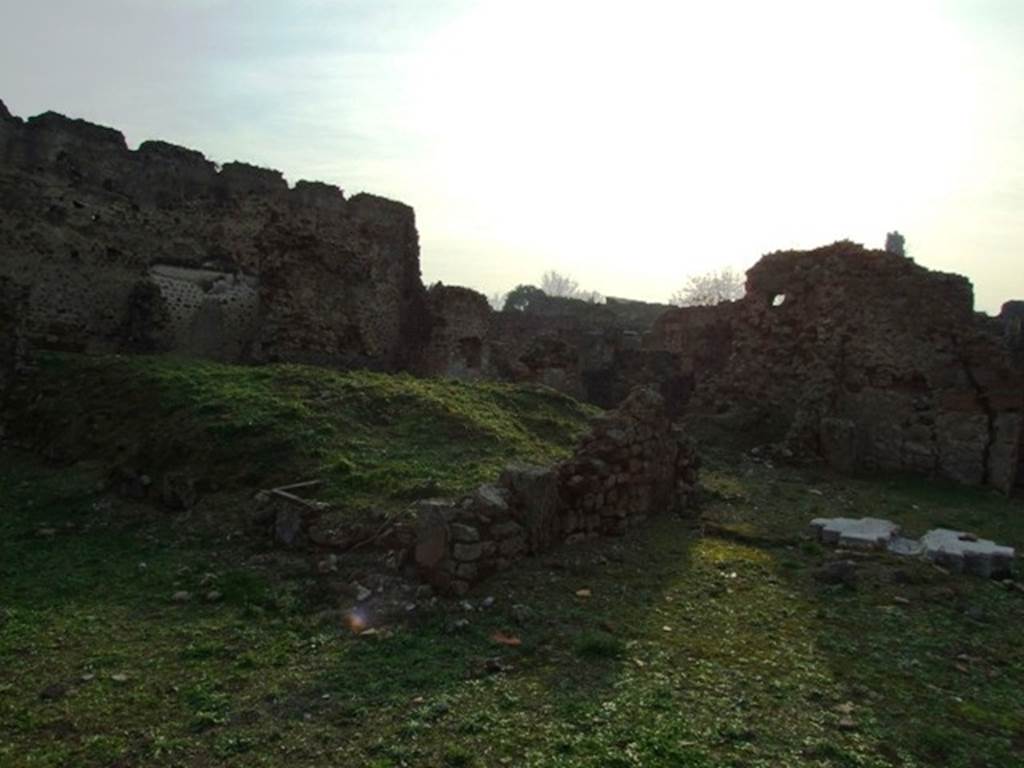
x=860, y=356
x=632, y=465
x=590, y=351
x=159, y=249
x=460, y=323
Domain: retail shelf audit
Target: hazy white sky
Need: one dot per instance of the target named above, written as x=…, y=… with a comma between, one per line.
x=626, y=144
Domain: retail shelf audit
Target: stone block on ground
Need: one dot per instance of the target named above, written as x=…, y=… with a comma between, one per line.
x=956, y=550
x=862, y=533
x=963, y=552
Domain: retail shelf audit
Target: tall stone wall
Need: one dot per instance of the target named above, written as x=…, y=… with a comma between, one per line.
x=632, y=465
x=12, y=342
x=159, y=249
x=862, y=357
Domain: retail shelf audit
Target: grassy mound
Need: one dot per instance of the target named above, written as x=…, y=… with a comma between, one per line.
x=374, y=439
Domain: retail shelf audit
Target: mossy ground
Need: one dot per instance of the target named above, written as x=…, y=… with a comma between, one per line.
x=692, y=650
x=375, y=440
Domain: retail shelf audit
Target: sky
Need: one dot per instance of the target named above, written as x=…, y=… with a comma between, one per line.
x=626, y=144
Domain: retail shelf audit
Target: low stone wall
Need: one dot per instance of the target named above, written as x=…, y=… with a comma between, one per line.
x=633, y=464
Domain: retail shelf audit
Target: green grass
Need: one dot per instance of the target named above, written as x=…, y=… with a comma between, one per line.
x=375, y=439
x=599, y=645
x=691, y=651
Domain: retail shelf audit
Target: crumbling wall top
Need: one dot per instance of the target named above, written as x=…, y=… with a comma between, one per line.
x=167, y=151
x=77, y=130
x=845, y=276
x=251, y=179
x=317, y=194
x=332, y=281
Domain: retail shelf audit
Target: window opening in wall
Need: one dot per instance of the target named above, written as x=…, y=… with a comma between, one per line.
x=778, y=299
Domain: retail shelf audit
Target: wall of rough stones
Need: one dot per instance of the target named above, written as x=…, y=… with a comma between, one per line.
x=862, y=357
x=590, y=351
x=632, y=465
x=859, y=356
x=1012, y=318
x=12, y=343
x=460, y=322
x=159, y=249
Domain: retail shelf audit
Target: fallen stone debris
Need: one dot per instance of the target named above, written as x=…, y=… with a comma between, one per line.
x=958, y=551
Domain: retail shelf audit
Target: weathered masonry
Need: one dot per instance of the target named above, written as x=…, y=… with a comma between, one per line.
x=632, y=465
x=159, y=249
x=856, y=356
x=862, y=357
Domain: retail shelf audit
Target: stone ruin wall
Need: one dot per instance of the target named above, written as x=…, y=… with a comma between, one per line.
x=870, y=361
x=12, y=343
x=1012, y=319
x=589, y=351
x=160, y=250
x=632, y=465
x=862, y=357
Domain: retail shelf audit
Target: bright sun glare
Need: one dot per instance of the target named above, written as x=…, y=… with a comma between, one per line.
x=690, y=135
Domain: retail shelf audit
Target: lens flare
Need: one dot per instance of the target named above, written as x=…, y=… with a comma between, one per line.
x=356, y=620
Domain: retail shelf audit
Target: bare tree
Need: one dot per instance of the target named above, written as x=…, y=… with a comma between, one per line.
x=562, y=286
x=709, y=289
x=556, y=284
x=497, y=300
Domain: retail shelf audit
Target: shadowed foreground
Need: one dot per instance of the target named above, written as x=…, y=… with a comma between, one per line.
x=691, y=650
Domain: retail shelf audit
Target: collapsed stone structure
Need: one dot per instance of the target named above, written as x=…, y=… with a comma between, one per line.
x=862, y=357
x=159, y=249
x=590, y=351
x=632, y=465
x=859, y=356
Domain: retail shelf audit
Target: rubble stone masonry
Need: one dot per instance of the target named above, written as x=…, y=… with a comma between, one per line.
x=159, y=249
x=862, y=357
x=859, y=356
x=632, y=465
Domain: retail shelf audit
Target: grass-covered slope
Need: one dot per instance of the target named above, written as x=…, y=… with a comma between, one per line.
x=375, y=439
